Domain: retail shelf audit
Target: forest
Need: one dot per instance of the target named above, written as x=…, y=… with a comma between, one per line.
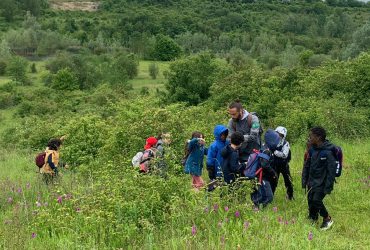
x=109, y=79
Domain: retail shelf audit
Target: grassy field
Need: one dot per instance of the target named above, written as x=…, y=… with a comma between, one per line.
x=144, y=80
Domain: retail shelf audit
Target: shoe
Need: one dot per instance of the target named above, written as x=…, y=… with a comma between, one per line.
x=326, y=223
x=291, y=198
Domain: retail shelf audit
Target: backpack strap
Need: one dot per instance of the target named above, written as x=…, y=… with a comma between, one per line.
x=310, y=152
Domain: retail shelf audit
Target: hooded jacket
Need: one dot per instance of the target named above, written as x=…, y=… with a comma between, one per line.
x=282, y=152
x=214, y=159
x=272, y=140
x=318, y=173
x=231, y=167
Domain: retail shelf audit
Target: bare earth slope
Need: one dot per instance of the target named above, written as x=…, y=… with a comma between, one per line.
x=75, y=6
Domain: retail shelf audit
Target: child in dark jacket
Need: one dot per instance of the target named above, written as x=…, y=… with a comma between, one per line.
x=282, y=156
x=319, y=175
x=231, y=167
x=214, y=159
x=263, y=194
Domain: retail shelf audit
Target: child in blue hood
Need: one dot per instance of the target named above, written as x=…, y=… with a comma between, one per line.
x=214, y=159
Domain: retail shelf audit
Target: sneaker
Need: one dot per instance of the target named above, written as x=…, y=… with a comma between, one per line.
x=326, y=223
x=291, y=198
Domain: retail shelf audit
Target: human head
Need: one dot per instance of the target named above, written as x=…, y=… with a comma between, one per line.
x=165, y=137
x=236, y=110
x=197, y=134
x=151, y=142
x=308, y=145
x=224, y=135
x=317, y=136
x=281, y=131
x=237, y=139
x=55, y=144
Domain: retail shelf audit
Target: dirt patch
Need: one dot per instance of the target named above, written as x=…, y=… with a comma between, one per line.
x=75, y=6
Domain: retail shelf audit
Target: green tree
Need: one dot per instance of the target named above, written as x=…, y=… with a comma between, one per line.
x=64, y=79
x=17, y=68
x=304, y=57
x=9, y=9
x=190, y=79
x=289, y=57
x=33, y=68
x=4, y=50
x=166, y=49
x=361, y=42
x=153, y=70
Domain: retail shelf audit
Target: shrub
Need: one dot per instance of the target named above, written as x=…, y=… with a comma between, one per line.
x=153, y=70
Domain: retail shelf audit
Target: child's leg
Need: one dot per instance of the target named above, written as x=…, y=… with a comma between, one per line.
x=267, y=195
x=197, y=181
x=275, y=182
x=288, y=180
x=313, y=211
x=318, y=203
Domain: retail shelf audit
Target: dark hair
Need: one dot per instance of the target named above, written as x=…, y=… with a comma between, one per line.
x=319, y=131
x=53, y=144
x=237, y=138
x=196, y=134
x=236, y=104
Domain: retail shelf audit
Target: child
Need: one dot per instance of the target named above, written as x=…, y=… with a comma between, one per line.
x=319, y=175
x=263, y=195
x=214, y=159
x=150, y=153
x=164, y=139
x=231, y=167
x=194, y=152
x=282, y=156
x=50, y=168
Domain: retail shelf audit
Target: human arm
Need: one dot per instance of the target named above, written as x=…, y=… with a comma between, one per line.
x=305, y=172
x=235, y=165
x=330, y=179
x=211, y=161
x=284, y=152
x=230, y=128
x=51, y=163
x=254, y=129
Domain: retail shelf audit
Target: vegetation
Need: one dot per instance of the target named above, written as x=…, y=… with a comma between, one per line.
x=297, y=64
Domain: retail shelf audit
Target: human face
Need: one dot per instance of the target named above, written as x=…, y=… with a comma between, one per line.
x=166, y=138
x=281, y=135
x=223, y=136
x=235, y=114
x=314, y=140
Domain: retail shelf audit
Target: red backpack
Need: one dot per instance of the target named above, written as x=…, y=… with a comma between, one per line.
x=40, y=159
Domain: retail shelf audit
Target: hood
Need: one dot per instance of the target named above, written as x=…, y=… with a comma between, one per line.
x=217, y=132
x=282, y=131
x=272, y=139
x=326, y=145
x=226, y=151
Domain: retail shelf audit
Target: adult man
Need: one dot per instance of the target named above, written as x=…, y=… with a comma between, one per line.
x=249, y=125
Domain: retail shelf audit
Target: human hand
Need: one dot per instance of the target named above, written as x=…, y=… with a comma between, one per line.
x=63, y=137
x=201, y=141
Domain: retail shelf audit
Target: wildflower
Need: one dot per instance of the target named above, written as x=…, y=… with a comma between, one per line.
x=360, y=180
x=310, y=234
x=18, y=207
x=39, y=204
x=13, y=188
x=275, y=209
x=310, y=238
x=38, y=198
x=39, y=192
x=269, y=236
x=264, y=219
x=206, y=209
x=237, y=213
x=299, y=172
x=45, y=204
x=78, y=209
x=220, y=223
x=347, y=167
x=10, y=199
x=286, y=222
x=247, y=225
x=19, y=190
x=60, y=199
x=286, y=196
x=256, y=209
x=215, y=207
x=222, y=239
x=366, y=181
x=293, y=221
x=193, y=230
x=279, y=219
x=6, y=222
x=226, y=209
x=33, y=235
x=67, y=196
x=28, y=185
x=185, y=204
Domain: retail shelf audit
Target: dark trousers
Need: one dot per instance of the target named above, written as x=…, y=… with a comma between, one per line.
x=316, y=205
x=263, y=195
x=288, y=180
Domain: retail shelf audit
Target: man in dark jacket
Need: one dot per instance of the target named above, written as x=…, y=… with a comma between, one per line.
x=319, y=175
x=249, y=125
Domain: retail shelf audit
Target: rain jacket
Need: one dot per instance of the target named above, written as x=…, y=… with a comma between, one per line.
x=214, y=159
x=231, y=167
x=320, y=175
x=194, y=163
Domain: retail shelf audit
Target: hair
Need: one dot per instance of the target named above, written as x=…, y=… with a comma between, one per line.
x=237, y=138
x=236, y=104
x=196, y=134
x=319, y=131
x=159, y=137
x=53, y=144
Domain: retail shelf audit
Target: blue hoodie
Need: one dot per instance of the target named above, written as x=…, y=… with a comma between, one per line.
x=214, y=158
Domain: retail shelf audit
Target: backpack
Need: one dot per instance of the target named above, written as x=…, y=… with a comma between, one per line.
x=252, y=169
x=338, y=157
x=145, y=158
x=137, y=159
x=40, y=159
x=249, y=121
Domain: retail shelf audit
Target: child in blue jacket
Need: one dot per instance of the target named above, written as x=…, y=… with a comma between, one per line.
x=214, y=159
x=194, y=152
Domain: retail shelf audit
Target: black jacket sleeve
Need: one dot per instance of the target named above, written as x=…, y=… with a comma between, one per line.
x=305, y=172
x=330, y=179
x=211, y=172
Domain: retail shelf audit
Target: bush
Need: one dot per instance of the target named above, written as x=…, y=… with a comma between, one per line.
x=3, y=66
x=64, y=79
x=153, y=70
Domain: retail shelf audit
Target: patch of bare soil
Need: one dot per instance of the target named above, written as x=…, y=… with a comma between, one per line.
x=75, y=6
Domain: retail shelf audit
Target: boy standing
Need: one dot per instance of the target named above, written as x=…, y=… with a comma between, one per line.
x=319, y=175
